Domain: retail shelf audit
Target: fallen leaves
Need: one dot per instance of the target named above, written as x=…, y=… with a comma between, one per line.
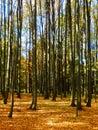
x=49, y=115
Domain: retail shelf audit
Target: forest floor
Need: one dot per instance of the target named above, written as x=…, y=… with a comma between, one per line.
x=58, y=115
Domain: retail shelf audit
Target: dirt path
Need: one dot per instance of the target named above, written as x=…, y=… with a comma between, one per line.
x=49, y=115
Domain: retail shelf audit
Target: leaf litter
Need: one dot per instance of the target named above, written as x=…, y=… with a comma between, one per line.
x=49, y=115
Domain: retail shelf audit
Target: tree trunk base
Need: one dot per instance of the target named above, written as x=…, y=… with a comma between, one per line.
x=18, y=95
x=46, y=97
x=10, y=115
x=54, y=99
x=79, y=108
x=88, y=104
x=73, y=105
x=32, y=107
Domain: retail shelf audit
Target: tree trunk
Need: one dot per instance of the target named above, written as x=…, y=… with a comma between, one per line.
x=34, y=86
x=89, y=54
x=54, y=53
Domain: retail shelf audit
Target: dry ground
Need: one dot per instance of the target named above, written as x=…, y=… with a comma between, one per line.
x=49, y=115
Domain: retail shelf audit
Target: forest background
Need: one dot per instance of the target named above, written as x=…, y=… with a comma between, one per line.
x=49, y=47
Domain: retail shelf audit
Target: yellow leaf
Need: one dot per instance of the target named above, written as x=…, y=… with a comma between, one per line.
x=89, y=0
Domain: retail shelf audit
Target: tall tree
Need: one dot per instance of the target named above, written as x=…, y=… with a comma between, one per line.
x=78, y=56
x=4, y=58
x=60, y=53
x=72, y=66
x=46, y=53
x=34, y=58
x=7, y=76
x=88, y=6
x=49, y=69
x=65, y=54
x=12, y=76
x=53, y=49
x=19, y=29
x=1, y=48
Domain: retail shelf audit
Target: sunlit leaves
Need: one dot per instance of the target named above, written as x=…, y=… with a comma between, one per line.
x=89, y=0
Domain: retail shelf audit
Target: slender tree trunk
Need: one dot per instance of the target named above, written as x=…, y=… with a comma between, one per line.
x=29, y=58
x=78, y=56
x=72, y=66
x=59, y=51
x=1, y=49
x=54, y=53
x=19, y=27
x=46, y=96
x=7, y=76
x=26, y=71
x=96, y=35
x=34, y=86
x=65, y=64
x=42, y=51
x=49, y=70
x=4, y=58
x=12, y=66
x=89, y=54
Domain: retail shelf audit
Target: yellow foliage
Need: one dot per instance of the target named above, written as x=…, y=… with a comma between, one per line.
x=89, y=0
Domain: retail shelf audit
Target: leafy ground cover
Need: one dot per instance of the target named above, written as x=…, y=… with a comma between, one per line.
x=50, y=115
